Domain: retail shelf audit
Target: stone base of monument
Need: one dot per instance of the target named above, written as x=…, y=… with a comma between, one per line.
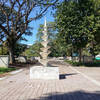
x=46, y=73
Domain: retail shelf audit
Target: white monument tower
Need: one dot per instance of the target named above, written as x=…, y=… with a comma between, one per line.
x=44, y=71
x=45, y=52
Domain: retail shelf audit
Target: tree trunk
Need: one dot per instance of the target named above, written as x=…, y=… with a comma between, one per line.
x=2, y=49
x=93, y=53
x=80, y=55
x=11, y=55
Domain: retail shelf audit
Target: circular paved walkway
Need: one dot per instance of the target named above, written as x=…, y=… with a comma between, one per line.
x=71, y=86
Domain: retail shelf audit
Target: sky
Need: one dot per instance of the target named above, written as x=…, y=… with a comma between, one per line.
x=35, y=26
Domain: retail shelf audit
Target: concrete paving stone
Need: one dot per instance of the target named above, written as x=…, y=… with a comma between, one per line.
x=71, y=86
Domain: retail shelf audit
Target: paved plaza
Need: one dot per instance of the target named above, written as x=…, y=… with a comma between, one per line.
x=71, y=86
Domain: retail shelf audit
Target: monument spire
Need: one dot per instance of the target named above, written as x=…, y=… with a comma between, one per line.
x=44, y=71
x=44, y=50
x=45, y=22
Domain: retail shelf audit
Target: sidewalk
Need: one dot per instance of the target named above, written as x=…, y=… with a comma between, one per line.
x=71, y=86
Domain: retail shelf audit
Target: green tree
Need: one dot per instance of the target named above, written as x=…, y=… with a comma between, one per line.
x=19, y=49
x=58, y=49
x=2, y=21
x=34, y=50
x=75, y=22
x=17, y=14
x=94, y=37
x=3, y=49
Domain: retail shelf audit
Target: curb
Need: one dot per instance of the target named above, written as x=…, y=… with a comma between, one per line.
x=3, y=78
x=11, y=73
x=15, y=72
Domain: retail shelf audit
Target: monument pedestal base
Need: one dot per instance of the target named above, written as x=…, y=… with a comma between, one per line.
x=47, y=73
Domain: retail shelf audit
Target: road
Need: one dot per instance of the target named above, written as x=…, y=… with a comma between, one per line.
x=72, y=85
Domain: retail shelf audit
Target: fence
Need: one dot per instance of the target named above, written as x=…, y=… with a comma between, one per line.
x=4, y=60
x=84, y=59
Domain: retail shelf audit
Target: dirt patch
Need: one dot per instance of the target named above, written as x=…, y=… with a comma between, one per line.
x=4, y=74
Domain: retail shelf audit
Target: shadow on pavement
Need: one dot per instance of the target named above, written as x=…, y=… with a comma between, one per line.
x=76, y=95
x=63, y=76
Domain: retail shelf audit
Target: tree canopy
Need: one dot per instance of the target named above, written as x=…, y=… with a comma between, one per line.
x=18, y=16
x=78, y=23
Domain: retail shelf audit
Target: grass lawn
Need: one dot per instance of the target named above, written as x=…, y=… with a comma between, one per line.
x=91, y=64
x=5, y=70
